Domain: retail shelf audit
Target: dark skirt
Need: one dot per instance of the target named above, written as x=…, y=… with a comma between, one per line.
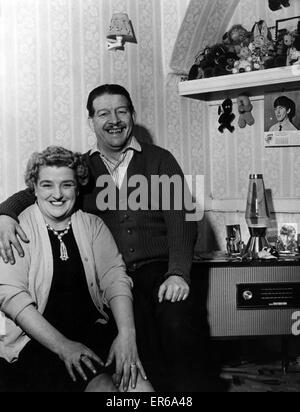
x=40, y=370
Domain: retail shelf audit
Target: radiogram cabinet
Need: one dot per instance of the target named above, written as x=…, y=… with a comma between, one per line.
x=248, y=299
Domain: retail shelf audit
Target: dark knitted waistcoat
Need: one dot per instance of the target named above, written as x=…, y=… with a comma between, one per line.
x=142, y=235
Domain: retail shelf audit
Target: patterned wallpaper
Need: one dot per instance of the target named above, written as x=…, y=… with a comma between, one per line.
x=52, y=53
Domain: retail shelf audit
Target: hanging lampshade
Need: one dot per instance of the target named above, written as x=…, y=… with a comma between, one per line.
x=120, y=31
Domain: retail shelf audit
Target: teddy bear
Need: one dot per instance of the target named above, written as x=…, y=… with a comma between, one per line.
x=226, y=116
x=245, y=62
x=244, y=108
x=236, y=38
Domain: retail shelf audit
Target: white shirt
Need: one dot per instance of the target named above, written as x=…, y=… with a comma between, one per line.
x=117, y=169
x=284, y=126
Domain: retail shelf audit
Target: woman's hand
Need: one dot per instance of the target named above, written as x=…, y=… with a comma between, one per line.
x=75, y=355
x=128, y=364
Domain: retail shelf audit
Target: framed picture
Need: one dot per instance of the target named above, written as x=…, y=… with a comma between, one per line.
x=282, y=118
x=287, y=238
x=290, y=25
x=233, y=239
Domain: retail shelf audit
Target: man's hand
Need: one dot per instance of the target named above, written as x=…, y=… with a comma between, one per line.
x=174, y=289
x=9, y=232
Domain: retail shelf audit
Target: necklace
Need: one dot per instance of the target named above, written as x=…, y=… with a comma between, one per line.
x=63, y=250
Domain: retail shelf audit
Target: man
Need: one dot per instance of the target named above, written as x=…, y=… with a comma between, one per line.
x=285, y=110
x=157, y=245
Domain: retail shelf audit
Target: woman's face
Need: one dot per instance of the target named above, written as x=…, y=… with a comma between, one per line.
x=56, y=192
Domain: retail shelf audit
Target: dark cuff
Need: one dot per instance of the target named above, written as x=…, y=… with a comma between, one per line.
x=178, y=273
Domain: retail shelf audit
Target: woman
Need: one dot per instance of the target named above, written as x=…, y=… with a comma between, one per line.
x=54, y=297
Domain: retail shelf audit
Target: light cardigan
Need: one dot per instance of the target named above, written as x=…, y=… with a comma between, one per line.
x=29, y=280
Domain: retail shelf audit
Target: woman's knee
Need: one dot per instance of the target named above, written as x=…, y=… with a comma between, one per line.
x=142, y=385
x=101, y=383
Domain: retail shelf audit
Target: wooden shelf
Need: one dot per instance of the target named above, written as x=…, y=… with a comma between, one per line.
x=257, y=81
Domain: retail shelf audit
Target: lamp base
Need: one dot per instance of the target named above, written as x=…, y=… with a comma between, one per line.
x=256, y=243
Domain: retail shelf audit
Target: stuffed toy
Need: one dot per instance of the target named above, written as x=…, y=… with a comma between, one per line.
x=245, y=62
x=236, y=38
x=244, y=108
x=262, y=44
x=213, y=61
x=226, y=116
x=275, y=5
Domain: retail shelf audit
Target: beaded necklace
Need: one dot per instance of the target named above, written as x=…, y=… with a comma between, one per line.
x=63, y=250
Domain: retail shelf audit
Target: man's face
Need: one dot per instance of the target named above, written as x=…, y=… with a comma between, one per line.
x=281, y=113
x=112, y=122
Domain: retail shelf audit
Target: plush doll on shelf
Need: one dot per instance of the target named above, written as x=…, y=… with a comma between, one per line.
x=213, y=61
x=262, y=45
x=236, y=38
x=244, y=108
x=245, y=62
x=226, y=116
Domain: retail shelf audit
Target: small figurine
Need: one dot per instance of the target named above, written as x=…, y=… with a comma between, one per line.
x=227, y=117
x=245, y=107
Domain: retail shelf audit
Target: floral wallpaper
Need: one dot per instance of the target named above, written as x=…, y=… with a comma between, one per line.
x=52, y=53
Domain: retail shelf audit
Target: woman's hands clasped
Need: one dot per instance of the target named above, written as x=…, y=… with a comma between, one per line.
x=128, y=365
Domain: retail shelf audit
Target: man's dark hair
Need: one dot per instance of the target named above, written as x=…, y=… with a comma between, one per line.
x=107, y=89
x=287, y=103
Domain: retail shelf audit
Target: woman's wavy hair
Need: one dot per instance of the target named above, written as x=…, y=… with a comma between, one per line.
x=59, y=157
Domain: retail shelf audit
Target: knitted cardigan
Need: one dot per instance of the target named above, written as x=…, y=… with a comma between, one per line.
x=29, y=280
x=142, y=236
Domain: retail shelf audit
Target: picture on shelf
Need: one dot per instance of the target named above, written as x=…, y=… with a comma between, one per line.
x=282, y=119
x=287, y=238
x=233, y=239
x=290, y=25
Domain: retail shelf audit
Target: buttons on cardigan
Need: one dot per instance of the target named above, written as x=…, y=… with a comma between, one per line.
x=86, y=259
x=132, y=250
x=126, y=216
x=129, y=231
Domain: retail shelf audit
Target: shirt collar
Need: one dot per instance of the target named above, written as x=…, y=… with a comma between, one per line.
x=133, y=145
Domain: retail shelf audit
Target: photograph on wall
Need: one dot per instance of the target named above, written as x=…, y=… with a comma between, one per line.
x=282, y=118
x=290, y=25
x=287, y=238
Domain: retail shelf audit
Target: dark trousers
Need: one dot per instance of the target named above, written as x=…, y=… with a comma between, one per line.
x=172, y=338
